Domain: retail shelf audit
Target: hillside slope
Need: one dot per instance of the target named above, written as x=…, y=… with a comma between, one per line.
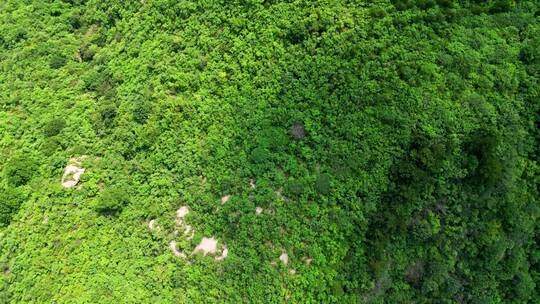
x=337, y=151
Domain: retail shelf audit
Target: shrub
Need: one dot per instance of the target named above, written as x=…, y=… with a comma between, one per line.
x=322, y=184
x=111, y=201
x=87, y=52
x=50, y=146
x=275, y=139
x=19, y=171
x=377, y=12
x=108, y=114
x=57, y=62
x=295, y=187
x=141, y=110
x=10, y=202
x=54, y=127
x=500, y=6
x=481, y=150
x=259, y=155
x=75, y=21
x=445, y=3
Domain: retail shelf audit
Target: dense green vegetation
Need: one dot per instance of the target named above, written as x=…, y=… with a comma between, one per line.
x=394, y=147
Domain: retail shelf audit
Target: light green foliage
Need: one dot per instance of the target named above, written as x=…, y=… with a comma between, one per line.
x=392, y=146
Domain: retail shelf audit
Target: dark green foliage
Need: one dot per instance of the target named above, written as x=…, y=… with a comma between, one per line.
x=501, y=6
x=75, y=21
x=107, y=114
x=20, y=35
x=51, y=145
x=274, y=139
x=112, y=200
x=141, y=110
x=390, y=148
x=19, y=171
x=444, y=3
x=10, y=201
x=426, y=4
x=377, y=12
x=99, y=81
x=322, y=184
x=87, y=52
x=484, y=166
x=295, y=187
x=57, y=61
x=54, y=126
x=260, y=155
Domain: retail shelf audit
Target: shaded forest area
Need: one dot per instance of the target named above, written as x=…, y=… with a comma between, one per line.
x=342, y=151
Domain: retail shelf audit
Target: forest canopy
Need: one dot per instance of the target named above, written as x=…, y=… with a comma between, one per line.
x=265, y=151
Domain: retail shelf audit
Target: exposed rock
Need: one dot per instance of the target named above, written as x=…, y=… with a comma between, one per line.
x=284, y=258
x=152, y=225
x=180, y=214
x=72, y=173
x=207, y=245
x=175, y=250
x=223, y=255
x=188, y=230
x=225, y=198
x=279, y=194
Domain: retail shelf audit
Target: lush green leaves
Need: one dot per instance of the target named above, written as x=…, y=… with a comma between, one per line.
x=391, y=148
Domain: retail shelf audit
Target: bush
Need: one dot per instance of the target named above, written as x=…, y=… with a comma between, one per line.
x=54, y=127
x=111, y=201
x=141, y=110
x=75, y=21
x=487, y=167
x=19, y=171
x=295, y=188
x=87, y=52
x=260, y=155
x=108, y=114
x=50, y=146
x=322, y=184
x=10, y=202
x=500, y=6
x=57, y=62
x=274, y=139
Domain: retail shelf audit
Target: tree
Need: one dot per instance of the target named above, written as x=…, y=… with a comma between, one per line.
x=10, y=201
x=54, y=127
x=112, y=200
x=19, y=171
